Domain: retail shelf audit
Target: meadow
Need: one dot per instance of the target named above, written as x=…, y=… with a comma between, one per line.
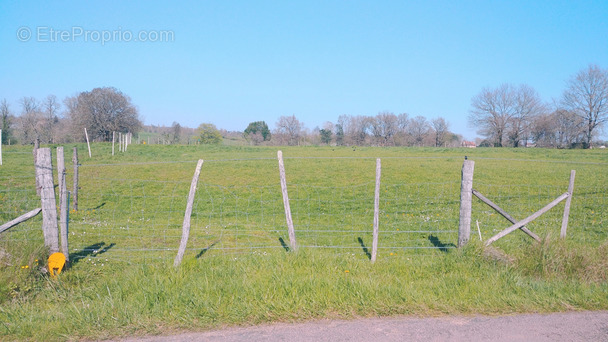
x=238, y=269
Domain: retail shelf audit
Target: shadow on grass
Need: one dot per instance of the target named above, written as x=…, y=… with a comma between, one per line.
x=94, y=249
x=365, y=250
x=204, y=250
x=444, y=247
x=284, y=244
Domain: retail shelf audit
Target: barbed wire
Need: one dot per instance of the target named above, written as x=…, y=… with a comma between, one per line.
x=126, y=218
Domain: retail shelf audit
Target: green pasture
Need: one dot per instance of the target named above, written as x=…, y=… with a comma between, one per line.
x=238, y=270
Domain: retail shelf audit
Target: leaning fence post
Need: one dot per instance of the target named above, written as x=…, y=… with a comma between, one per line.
x=44, y=175
x=466, y=200
x=290, y=230
x=187, y=214
x=75, y=177
x=86, y=135
x=568, y=201
x=376, y=211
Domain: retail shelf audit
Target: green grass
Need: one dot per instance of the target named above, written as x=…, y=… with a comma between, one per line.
x=124, y=238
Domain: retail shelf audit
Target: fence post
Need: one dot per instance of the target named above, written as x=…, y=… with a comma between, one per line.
x=187, y=214
x=60, y=169
x=63, y=215
x=290, y=230
x=466, y=202
x=376, y=211
x=75, y=176
x=567, y=207
x=35, y=152
x=86, y=135
x=113, y=136
x=44, y=175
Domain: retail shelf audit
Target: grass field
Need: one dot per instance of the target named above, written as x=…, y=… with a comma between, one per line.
x=126, y=232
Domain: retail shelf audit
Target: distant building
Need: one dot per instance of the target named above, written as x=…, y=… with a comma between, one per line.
x=469, y=144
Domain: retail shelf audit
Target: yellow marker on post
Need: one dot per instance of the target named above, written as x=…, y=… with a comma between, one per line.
x=56, y=263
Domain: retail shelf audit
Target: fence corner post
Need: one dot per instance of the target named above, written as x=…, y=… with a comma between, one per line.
x=466, y=199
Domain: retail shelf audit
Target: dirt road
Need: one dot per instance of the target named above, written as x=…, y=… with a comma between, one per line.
x=571, y=326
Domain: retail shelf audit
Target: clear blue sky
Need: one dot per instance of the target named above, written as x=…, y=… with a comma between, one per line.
x=233, y=62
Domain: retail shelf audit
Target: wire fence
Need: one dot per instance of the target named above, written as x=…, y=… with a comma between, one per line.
x=134, y=211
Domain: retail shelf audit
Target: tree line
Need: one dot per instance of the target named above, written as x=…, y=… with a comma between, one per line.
x=507, y=115
x=101, y=111
x=511, y=115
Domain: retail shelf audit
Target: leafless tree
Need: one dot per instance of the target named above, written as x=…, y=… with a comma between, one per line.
x=290, y=128
x=526, y=107
x=505, y=113
x=418, y=129
x=587, y=97
x=102, y=111
x=50, y=109
x=31, y=121
x=441, y=130
x=384, y=127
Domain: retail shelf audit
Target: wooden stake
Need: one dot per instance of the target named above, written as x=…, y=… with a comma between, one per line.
x=19, y=219
x=288, y=219
x=188, y=213
x=466, y=202
x=63, y=215
x=75, y=177
x=504, y=214
x=44, y=174
x=88, y=144
x=567, y=207
x=527, y=219
x=376, y=211
x=60, y=169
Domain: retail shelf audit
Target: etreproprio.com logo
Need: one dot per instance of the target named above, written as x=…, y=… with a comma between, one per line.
x=80, y=34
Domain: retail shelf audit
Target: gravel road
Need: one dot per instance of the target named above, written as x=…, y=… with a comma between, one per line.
x=570, y=326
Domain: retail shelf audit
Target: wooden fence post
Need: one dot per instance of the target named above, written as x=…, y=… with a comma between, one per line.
x=19, y=219
x=113, y=136
x=63, y=210
x=35, y=152
x=466, y=202
x=288, y=219
x=44, y=174
x=567, y=208
x=88, y=144
x=376, y=211
x=75, y=176
x=60, y=169
x=187, y=214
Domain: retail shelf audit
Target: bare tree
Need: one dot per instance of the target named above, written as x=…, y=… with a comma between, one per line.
x=290, y=128
x=50, y=109
x=587, y=97
x=527, y=106
x=505, y=113
x=102, y=111
x=31, y=120
x=441, y=128
x=384, y=127
x=418, y=129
